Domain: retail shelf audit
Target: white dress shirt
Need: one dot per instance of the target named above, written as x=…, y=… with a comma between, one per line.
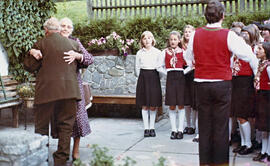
x=268, y=71
x=236, y=45
x=148, y=59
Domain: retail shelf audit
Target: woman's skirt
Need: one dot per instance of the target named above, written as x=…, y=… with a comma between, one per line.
x=262, y=115
x=243, y=97
x=175, y=87
x=189, y=97
x=148, y=90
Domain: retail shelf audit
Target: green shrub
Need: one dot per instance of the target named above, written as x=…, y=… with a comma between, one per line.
x=160, y=27
x=20, y=26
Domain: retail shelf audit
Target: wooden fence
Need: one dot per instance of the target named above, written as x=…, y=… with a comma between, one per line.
x=128, y=8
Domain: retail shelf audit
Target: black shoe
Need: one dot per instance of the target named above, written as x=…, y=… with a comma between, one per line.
x=195, y=140
x=190, y=131
x=260, y=157
x=256, y=145
x=146, y=133
x=180, y=135
x=174, y=135
x=238, y=149
x=185, y=130
x=268, y=158
x=152, y=133
x=246, y=151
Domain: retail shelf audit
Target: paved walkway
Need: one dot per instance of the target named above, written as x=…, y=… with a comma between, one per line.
x=124, y=137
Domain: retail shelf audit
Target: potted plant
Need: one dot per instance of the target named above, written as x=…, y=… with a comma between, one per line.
x=27, y=92
x=111, y=44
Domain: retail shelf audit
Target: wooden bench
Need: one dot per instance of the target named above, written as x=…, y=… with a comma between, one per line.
x=121, y=99
x=114, y=99
x=9, y=97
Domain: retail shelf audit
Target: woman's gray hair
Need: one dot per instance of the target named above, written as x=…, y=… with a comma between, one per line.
x=67, y=20
x=52, y=24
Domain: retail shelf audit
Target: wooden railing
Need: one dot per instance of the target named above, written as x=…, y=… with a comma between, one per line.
x=129, y=8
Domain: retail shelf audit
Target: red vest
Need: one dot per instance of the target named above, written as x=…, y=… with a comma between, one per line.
x=264, y=80
x=211, y=53
x=179, y=63
x=245, y=69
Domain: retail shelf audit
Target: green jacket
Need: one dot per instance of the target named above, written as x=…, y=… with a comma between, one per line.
x=56, y=79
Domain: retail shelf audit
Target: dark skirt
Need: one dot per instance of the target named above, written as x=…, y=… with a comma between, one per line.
x=189, y=96
x=263, y=110
x=243, y=97
x=148, y=91
x=175, y=86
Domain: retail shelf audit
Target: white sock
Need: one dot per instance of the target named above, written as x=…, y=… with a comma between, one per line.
x=196, y=121
x=241, y=134
x=230, y=128
x=172, y=114
x=188, y=113
x=268, y=144
x=152, y=119
x=264, y=142
x=258, y=136
x=247, y=133
x=193, y=118
x=197, y=136
x=145, y=116
x=181, y=118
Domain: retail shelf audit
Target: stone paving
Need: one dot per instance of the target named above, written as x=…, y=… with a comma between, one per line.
x=124, y=137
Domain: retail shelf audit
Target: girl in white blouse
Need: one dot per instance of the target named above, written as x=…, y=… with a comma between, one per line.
x=148, y=91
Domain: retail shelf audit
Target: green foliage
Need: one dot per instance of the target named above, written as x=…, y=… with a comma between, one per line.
x=160, y=27
x=161, y=162
x=128, y=162
x=100, y=157
x=75, y=10
x=20, y=26
x=246, y=18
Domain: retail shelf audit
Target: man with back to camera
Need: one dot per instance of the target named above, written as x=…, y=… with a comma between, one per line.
x=210, y=48
x=56, y=87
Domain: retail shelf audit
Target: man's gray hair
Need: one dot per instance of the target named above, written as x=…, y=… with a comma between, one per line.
x=52, y=24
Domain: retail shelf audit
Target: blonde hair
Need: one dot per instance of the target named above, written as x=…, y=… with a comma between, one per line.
x=178, y=36
x=147, y=33
x=184, y=41
x=52, y=24
x=67, y=20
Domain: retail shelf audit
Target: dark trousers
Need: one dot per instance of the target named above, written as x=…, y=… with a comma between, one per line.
x=213, y=103
x=64, y=112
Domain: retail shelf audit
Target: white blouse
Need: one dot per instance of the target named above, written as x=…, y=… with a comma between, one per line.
x=148, y=59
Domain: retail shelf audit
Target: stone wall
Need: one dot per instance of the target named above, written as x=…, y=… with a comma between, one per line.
x=113, y=75
x=23, y=148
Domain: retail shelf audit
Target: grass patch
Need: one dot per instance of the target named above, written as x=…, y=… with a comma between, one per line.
x=75, y=10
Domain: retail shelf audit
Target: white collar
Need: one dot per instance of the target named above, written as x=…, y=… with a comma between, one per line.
x=214, y=25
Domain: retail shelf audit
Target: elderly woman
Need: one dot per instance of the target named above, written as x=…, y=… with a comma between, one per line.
x=81, y=126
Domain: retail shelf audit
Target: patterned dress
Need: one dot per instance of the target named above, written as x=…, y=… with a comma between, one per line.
x=81, y=126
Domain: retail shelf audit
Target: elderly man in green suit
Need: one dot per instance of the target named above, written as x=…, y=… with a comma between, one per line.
x=56, y=86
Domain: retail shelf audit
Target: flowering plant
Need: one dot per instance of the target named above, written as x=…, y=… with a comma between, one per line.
x=110, y=42
x=26, y=90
